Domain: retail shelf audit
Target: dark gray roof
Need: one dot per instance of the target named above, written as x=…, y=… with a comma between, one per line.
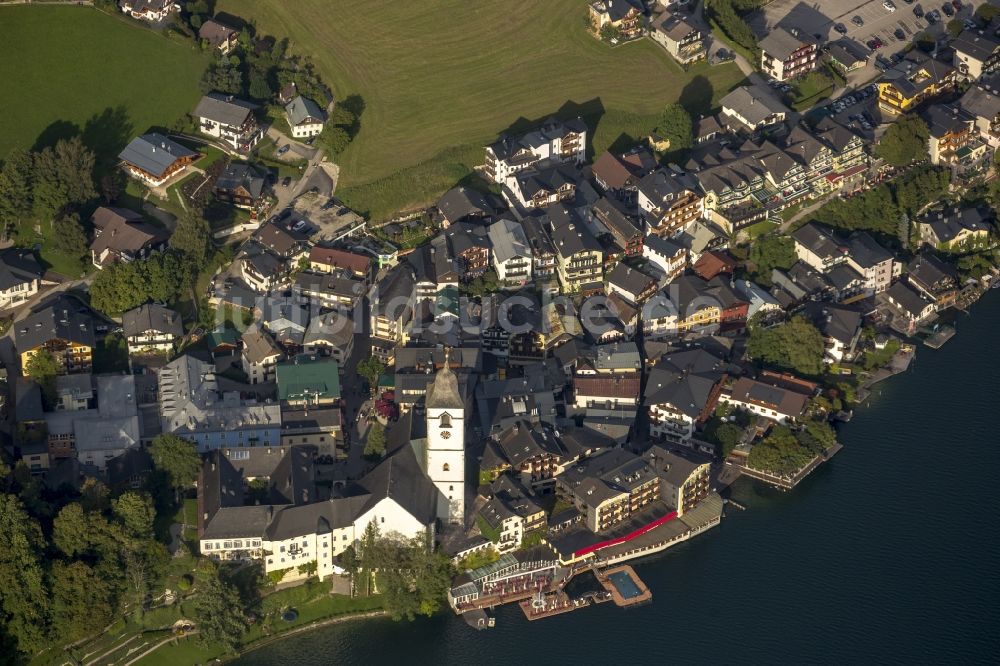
x=18, y=266
x=929, y=273
x=982, y=101
x=979, y=44
x=632, y=280
x=400, y=478
x=572, y=237
x=818, y=240
x=224, y=109
x=62, y=319
x=780, y=43
x=685, y=380
x=241, y=175
x=866, y=251
x=606, y=475
x=302, y=109
x=461, y=202
x=154, y=153
x=833, y=321
x=152, y=317
x=908, y=299
x=674, y=467
x=949, y=223
x=754, y=102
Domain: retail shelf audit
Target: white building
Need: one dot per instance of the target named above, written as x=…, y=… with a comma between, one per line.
x=554, y=142
x=444, y=463
x=151, y=327
x=20, y=276
x=153, y=11
x=228, y=119
x=511, y=254
x=260, y=355
x=305, y=117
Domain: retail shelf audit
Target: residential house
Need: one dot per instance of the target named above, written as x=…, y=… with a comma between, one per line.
x=218, y=36
x=753, y=107
x=464, y=204
x=242, y=186
x=151, y=327
x=625, y=16
x=94, y=436
x=953, y=138
x=332, y=334
x=305, y=117
x=982, y=103
x=668, y=256
x=537, y=188
x=817, y=247
x=231, y=120
x=913, y=80
x=155, y=159
x=555, y=141
x=786, y=54
x=934, y=279
x=839, y=326
x=579, y=257
x=697, y=305
x=286, y=318
x=260, y=355
x=608, y=488
x=712, y=263
x=615, y=391
x=876, y=264
x=682, y=391
x=684, y=477
x=511, y=254
x=847, y=54
x=153, y=11
x=679, y=36
x=668, y=202
x=914, y=308
x=976, y=54
x=511, y=513
x=63, y=327
x=308, y=380
x=192, y=406
x=532, y=453
x=20, y=276
x=74, y=392
x=392, y=308
x=954, y=229
x=543, y=251
x=618, y=175
x=631, y=283
x=772, y=402
x=626, y=232
x=123, y=235
x=260, y=269
x=332, y=260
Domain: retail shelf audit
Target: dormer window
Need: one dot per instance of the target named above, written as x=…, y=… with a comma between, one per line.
x=445, y=421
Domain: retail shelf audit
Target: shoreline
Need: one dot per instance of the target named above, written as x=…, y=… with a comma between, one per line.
x=316, y=624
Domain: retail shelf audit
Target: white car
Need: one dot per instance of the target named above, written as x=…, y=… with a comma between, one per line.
x=888, y=5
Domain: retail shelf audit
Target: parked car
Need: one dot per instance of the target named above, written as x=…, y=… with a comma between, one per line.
x=841, y=28
x=889, y=6
x=957, y=5
x=900, y=35
x=283, y=149
x=934, y=16
x=299, y=226
x=857, y=20
x=948, y=9
x=918, y=11
x=286, y=181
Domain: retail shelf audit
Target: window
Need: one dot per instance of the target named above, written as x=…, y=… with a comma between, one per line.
x=445, y=468
x=445, y=421
x=282, y=549
x=383, y=519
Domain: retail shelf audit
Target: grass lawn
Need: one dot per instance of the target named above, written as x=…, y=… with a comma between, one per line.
x=441, y=78
x=69, y=69
x=51, y=258
x=810, y=89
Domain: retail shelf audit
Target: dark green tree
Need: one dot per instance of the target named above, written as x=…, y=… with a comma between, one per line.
x=905, y=142
x=177, y=458
x=16, y=186
x=676, y=125
x=192, y=238
x=70, y=238
x=770, y=252
x=63, y=177
x=341, y=117
x=43, y=368
x=135, y=511
x=371, y=369
x=795, y=345
x=334, y=139
x=223, y=77
x=82, y=601
x=375, y=442
x=24, y=599
x=218, y=614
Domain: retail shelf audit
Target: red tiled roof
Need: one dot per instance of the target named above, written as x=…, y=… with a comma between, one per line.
x=605, y=386
x=340, y=259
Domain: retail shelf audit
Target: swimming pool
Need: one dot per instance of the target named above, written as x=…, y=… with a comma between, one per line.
x=624, y=584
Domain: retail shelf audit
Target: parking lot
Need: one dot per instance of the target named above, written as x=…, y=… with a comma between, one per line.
x=820, y=20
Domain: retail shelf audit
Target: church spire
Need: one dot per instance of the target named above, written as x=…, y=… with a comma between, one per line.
x=443, y=392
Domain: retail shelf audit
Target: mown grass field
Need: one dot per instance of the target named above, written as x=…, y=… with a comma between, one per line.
x=440, y=79
x=70, y=69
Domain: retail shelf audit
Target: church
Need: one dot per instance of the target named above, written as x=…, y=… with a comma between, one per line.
x=443, y=459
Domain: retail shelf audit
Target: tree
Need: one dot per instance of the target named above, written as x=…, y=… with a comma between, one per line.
x=177, y=458
x=955, y=28
x=371, y=369
x=795, y=345
x=218, y=614
x=160, y=278
x=905, y=142
x=259, y=88
x=341, y=117
x=985, y=13
x=63, y=177
x=723, y=13
x=676, y=125
x=780, y=453
x=375, y=442
x=94, y=495
x=412, y=578
x=24, y=599
x=334, y=139
x=192, y=238
x=81, y=600
x=70, y=238
x=43, y=368
x=611, y=33
x=223, y=77
x=137, y=514
x=770, y=252
x=16, y=185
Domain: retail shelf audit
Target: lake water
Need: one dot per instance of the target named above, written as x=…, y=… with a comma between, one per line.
x=890, y=553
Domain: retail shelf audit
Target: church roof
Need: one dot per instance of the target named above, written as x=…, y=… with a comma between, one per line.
x=443, y=393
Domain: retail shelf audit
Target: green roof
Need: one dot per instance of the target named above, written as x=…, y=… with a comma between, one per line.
x=221, y=336
x=447, y=301
x=387, y=381
x=308, y=377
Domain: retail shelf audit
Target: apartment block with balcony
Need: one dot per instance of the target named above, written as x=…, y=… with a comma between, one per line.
x=579, y=257
x=609, y=488
x=626, y=16
x=512, y=258
x=976, y=54
x=682, y=391
x=982, y=103
x=679, y=36
x=65, y=328
x=684, y=477
x=669, y=202
x=953, y=139
x=913, y=80
x=555, y=142
x=786, y=54
x=229, y=119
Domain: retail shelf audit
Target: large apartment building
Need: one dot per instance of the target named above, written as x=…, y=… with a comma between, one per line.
x=554, y=142
x=785, y=54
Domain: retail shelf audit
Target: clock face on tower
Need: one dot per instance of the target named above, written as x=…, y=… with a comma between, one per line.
x=446, y=434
